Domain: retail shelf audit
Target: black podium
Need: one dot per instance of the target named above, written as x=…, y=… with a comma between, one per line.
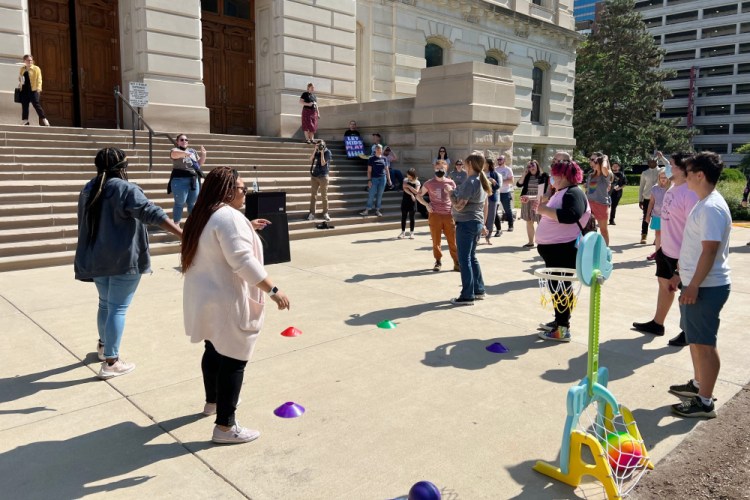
x=275, y=236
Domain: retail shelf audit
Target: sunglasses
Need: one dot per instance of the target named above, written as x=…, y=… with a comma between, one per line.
x=243, y=189
x=593, y=159
x=183, y=139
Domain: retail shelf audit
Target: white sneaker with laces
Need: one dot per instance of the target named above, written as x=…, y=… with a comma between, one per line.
x=235, y=435
x=119, y=367
x=411, y=236
x=326, y=217
x=401, y=236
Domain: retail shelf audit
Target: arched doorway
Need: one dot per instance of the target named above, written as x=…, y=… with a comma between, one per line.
x=229, y=64
x=76, y=44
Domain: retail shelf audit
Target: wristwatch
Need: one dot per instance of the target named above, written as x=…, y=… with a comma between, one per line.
x=273, y=291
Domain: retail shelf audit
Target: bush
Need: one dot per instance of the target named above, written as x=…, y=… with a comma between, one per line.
x=633, y=179
x=732, y=175
x=732, y=193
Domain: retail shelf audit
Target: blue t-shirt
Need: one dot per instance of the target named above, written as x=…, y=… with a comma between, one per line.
x=378, y=165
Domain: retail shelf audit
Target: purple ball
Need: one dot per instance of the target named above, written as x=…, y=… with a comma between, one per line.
x=424, y=490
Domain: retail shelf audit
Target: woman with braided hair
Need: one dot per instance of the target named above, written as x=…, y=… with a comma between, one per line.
x=223, y=301
x=112, y=249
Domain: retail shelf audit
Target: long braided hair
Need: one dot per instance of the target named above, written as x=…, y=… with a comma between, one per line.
x=110, y=162
x=219, y=188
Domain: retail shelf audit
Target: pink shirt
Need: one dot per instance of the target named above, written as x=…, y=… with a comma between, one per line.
x=440, y=200
x=551, y=232
x=677, y=204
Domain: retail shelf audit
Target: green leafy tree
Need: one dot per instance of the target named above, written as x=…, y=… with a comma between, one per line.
x=619, y=88
x=744, y=164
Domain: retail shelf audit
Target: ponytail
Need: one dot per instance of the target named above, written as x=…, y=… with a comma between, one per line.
x=476, y=162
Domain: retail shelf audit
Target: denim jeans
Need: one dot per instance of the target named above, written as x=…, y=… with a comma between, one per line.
x=505, y=201
x=377, y=188
x=115, y=295
x=222, y=380
x=182, y=194
x=471, y=274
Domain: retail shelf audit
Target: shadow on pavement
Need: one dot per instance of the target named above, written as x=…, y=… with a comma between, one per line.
x=66, y=469
x=25, y=385
x=395, y=313
x=359, y=278
x=471, y=354
x=622, y=357
x=651, y=430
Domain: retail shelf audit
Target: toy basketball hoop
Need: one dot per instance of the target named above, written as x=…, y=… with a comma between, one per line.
x=558, y=286
x=617, y=455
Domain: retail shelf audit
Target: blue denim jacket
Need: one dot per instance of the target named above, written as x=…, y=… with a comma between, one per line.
x=121, y=244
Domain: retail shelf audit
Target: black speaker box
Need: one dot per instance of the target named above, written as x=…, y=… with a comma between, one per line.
x=263, y=204
x=275, y=238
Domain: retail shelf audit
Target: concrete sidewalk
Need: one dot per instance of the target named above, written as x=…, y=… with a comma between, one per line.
x=385, y=408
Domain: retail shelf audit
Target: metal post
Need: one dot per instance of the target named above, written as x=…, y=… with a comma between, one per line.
x=117, y=105
x=150, y=150
x=132, y=124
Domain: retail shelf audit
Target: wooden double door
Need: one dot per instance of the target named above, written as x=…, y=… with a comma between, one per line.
x=76, y=45
x=229, y=66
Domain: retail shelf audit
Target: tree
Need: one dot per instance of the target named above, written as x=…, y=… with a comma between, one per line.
x=619, y=88
x=744, y=164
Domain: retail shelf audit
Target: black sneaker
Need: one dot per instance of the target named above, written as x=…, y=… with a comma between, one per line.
x=462, y=302
x=650, y=327
x=437, y=266
x=548, y=327
x=694, y=408
x=510, y=229
x=678, y=341
x=684, y=390
x=499, y=232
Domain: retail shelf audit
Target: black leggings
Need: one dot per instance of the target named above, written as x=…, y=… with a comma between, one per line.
x=644, y=224
x=222, y=380
x=560, y=255
x=408, y=207
x=615, y=196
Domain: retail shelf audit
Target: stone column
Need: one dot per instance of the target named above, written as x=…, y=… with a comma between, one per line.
x=14, y=43
x=299, y=42
x=161, y=45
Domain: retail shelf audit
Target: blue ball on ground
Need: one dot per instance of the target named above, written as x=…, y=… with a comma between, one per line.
x=424, y=490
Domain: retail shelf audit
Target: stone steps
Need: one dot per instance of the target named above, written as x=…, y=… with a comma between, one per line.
x=42, y=171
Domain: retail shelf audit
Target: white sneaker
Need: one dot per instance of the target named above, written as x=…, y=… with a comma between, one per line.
x=119, y=367
x=401, y=236
x=411, y=236
x=326, y=217
x=311, y=216
x=235, y=435
x=45, y=122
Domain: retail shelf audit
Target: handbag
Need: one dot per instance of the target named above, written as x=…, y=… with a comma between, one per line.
x=17, y=95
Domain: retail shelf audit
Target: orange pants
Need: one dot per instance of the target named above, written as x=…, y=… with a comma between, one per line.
x=443, y=223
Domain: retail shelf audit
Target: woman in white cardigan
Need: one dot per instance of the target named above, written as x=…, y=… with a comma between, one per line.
x=223, y=301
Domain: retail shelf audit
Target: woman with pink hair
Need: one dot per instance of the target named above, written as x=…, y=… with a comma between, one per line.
x=562, y=218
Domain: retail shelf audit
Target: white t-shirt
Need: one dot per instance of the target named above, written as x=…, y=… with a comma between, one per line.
x=710, y=220
x=505, y=173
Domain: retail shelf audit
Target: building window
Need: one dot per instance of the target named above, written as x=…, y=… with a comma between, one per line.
x=741, y=128
x=538, y=2
x=491, y=60
x=715, y=148
x=680, y=93
x=682, y=17
x=743, y=88
x=210, y=5
x=680, y=74
x=495, y=57
x=717, y=71
x=646, y=4
x=433, y=53
x=682, y=36
x=723, y=109
x=726, y=10
x=713, y=129
x=674, y=113
x=717, y=31
x=724, y=50
x=714, y=91
x=741, y=109
x=680, y=55
x=652, y=22
x=537, y=77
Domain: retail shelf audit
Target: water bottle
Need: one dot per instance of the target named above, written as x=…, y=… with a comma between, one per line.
x=255, y=186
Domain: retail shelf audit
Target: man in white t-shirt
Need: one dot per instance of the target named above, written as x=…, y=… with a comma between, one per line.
x=703, y=270
x=507, y=181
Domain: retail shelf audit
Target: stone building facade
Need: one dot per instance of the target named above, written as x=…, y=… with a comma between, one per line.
x=239, y=66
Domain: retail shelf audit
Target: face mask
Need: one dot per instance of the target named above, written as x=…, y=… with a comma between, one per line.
x=439, y=173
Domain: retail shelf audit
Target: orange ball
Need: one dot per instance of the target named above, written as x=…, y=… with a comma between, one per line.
x=623, y=451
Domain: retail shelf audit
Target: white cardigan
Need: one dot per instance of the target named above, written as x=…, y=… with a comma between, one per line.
x=220, y=301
